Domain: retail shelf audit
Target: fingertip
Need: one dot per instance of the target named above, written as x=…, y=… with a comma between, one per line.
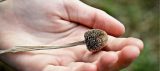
x=109, y=58
x=118, y=28
x=94, y=18
x=107, y=61
x=117, y=44
x=119, y=31
x=108, y=23
x=126, y=56
x=135, y=42
x=130, y=53
x=122, y=29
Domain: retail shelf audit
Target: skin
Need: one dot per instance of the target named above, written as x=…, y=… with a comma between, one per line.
x=58, y=22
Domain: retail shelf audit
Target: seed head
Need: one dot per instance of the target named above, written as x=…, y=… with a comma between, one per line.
x=95, y=39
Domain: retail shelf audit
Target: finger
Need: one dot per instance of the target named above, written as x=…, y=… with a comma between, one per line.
x=127, y=55
x=93, y=57
x=93, y=18
x=116, y=44
x=106, y=61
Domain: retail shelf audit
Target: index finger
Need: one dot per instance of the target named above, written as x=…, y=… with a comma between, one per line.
x=93, y=18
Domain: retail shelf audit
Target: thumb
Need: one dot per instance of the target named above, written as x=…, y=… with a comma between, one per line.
x=93, y=18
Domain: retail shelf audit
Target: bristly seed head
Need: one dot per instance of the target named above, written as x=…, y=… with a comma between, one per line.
x=95, y=39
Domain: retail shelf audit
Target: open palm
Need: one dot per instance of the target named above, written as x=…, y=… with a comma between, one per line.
x=58, y=22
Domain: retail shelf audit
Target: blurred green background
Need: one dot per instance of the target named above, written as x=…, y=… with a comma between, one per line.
x=141, y=19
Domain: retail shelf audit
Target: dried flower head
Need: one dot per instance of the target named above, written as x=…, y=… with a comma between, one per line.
x=95, y=39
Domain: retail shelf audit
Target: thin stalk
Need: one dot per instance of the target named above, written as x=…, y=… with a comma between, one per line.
x=32, y=48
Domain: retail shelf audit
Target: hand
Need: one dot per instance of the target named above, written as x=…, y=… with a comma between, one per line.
x=58, y=22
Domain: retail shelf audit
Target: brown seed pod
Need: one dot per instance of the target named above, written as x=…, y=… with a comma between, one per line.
x=95, y=39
